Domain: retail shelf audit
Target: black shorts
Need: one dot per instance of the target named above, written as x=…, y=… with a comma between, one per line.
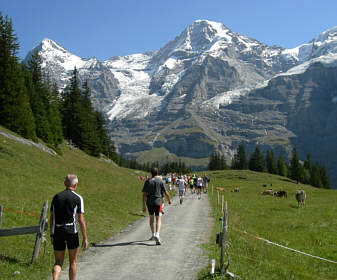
x=154, y=209
x=64, y=237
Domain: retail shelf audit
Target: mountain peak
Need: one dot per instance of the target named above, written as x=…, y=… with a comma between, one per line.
x=328, y=35
x=49, y=45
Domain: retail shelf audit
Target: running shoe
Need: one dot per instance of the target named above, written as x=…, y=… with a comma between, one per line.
x=157, y=239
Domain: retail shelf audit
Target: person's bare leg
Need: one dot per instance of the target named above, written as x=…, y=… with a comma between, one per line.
x=57, y=268
x=158, y=223
x=152, y=223
x=73, y=263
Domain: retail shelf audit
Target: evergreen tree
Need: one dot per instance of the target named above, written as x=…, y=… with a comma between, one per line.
x=15, y=111
x=296, y=171
x=72, y=111
x=270, y=162
x=324, y=178
x=54, y=117
x=223, y=164
x=39, y=100
x=217, y=162
x=239, y=160
x=281, y=167
x=308, y=163
x=315, y=176
x=256, y=161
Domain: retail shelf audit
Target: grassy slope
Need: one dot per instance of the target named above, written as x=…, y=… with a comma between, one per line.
x=29, y=176
x=112, y=200
x=311, y=229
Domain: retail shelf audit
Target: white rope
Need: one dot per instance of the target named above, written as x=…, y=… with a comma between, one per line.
x=294, y=250
x=284, y=247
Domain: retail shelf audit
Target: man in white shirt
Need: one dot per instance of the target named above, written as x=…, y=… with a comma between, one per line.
x=181, y=188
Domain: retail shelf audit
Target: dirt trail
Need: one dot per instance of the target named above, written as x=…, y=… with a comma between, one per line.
x=130, y=255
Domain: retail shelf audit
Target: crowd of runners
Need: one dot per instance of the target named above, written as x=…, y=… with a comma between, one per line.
x=196, y=183
x=155, y=189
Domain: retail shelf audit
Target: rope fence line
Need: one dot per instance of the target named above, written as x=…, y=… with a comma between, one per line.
x=282, y=246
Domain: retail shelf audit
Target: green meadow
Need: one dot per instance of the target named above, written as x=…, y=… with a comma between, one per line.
x=112, y=197
x=311, y=229
x=28, y=177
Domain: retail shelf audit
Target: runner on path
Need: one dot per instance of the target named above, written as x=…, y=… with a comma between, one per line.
x=153, y=191
x=199, y=186
x=63, y=232
x=181, y=188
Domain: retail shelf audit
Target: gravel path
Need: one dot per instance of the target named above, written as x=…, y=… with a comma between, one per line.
x=129, y=255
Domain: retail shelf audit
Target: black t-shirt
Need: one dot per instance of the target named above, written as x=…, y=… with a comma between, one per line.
x=65, y=206
x=155, y=190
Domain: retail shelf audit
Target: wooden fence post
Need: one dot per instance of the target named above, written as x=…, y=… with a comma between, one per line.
x=221, y=203
x=0, y=215
x=43, y=224
x=223, y=240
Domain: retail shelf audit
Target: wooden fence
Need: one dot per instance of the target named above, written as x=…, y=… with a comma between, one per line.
x=40, y=230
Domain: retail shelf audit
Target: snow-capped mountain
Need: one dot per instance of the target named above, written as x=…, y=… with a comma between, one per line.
x=202, y=91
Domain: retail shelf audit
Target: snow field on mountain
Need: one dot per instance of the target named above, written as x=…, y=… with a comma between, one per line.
x=168, y=66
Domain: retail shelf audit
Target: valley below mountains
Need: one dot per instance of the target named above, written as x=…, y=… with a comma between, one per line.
x=210, y=89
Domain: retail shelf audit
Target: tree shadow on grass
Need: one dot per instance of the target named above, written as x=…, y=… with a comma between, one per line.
x=131, y=243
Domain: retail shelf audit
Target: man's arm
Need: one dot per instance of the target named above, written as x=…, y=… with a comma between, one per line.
x=83, y=227
x=144, y=201
x=168, y=197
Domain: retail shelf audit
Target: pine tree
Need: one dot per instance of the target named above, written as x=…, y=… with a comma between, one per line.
x=270, y=162
x=239, y=160
x=324, y=178
x=296, y=171
x=281, y=167
x=256, y=161
x=39, y=100
x=72, y=111
x=308, y=163
x=54, y=117
x=315, y=176
x=217, y=162
x=15, y=111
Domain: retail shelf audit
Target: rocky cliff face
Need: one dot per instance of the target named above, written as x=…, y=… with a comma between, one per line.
x=210, y=89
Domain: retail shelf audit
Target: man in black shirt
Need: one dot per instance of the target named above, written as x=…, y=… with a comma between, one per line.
x=153, y=191
x=63, y=230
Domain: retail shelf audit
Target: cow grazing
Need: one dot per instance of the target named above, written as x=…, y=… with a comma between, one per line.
x=300, y=197
x=281, y=194
x=220, y=189
x=236, y=190
x=268, y=192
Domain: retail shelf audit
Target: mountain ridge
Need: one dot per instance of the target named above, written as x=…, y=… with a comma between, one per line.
x=189, y=96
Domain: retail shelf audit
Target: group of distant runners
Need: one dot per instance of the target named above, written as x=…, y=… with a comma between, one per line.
x=67, y=208
x=154, y=191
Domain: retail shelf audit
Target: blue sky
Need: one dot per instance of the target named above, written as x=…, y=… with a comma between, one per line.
x=119, y=27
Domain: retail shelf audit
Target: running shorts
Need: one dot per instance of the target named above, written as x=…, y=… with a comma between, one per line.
x=63, y=238
x=181, y=192
x=154, y=209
